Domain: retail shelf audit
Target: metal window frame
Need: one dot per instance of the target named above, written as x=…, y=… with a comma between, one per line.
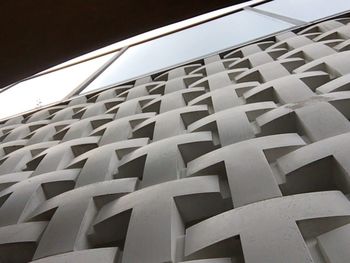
x=213, y=15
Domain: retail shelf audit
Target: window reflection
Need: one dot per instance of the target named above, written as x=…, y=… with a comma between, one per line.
x=47, y=88
x=187, y=45
x=307, y=11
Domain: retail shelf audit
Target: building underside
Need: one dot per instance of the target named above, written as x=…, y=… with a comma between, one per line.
x=38, y=34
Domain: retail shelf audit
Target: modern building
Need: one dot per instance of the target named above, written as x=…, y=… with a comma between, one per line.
x=222, y=139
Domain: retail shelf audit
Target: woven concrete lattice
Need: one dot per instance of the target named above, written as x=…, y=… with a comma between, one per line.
x=243, y=156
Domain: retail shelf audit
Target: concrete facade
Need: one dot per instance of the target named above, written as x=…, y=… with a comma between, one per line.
x=242, y=157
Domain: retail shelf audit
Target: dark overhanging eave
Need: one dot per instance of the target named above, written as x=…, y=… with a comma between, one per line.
x=38, y=34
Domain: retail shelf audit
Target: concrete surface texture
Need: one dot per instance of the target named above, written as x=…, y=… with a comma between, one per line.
x=241, y=157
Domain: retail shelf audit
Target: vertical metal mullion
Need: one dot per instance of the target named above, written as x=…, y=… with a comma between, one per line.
x=283, y=18
x=94, y=75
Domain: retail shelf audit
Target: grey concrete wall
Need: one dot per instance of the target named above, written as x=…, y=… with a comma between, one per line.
x=243, y=157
